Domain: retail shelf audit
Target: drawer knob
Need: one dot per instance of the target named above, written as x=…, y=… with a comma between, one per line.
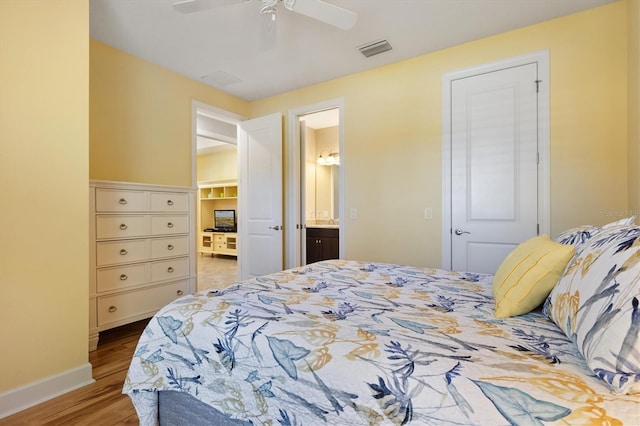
x=169, y=225
x=123, y=252
x=179, y=292
x=169, y=202
x=169, y=247
x=123, y=226
x=122, y=201
x=123, y=277
x=170, y=269
x=112, y=308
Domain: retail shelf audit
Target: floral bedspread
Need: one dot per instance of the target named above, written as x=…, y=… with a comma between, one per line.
x=355, y=343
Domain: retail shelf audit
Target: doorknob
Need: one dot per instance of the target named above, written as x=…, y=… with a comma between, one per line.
x=275, y=228
x=459, y=231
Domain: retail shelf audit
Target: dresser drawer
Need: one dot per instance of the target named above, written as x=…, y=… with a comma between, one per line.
x=120, y=277
x=169, y=247
x=161, y=225
x=115, y=252
x=138, y=303
x=117, y=200
x=120, y=226
x=169, y=202
x=169, y=269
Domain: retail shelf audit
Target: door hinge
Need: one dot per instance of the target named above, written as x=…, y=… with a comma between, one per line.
x=538, y=85
x=537, y=158
x=537, y=228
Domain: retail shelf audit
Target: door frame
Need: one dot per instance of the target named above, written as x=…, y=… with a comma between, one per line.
x=217, y=113
x=292, y=184
x=541, y=58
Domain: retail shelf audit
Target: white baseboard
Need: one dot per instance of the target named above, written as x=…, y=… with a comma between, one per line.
x=43, y=390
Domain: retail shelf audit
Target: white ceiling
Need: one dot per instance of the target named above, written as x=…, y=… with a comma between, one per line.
x=220, y=44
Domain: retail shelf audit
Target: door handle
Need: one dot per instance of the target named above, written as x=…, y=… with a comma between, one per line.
x=275, y=228
x=459, y=231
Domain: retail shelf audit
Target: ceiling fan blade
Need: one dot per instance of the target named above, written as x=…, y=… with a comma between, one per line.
x=324, y=12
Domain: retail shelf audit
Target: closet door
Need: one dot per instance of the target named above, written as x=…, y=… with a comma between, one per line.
x=494, y=168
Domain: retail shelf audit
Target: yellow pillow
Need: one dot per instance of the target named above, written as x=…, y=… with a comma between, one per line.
x=528, y=274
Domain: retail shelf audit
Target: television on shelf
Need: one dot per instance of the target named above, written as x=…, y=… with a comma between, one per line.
x=224, y=220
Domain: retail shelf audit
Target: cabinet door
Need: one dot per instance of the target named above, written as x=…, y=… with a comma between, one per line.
x=329, y=248
x=314, y=250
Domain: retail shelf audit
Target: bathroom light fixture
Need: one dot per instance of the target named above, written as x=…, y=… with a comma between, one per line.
x=331, y=159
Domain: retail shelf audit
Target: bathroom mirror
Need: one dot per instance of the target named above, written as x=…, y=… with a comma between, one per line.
x=326, y=192
x=321, y=172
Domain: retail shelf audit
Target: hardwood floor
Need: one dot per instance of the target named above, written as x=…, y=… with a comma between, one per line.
x=102, y=403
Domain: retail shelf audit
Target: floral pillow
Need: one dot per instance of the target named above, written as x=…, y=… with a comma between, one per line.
x=596, y=304
x=577, y=236
x=626, y=221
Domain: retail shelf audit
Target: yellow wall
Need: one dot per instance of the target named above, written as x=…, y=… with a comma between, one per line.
x=44, y=238
x=221, y=165
x=634, y=104
x=140, y=118
x=392, y=154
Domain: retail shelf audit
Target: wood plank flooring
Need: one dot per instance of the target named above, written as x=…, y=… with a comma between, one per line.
x=101, y=403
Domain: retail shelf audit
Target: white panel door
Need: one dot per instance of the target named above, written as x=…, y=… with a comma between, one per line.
x=494, y=167
x=260, y=196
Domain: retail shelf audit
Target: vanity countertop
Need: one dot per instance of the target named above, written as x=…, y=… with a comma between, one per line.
x=324, y=226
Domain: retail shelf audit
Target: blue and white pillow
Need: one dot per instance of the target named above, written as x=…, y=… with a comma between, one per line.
x=577, y=236
x=596, y=303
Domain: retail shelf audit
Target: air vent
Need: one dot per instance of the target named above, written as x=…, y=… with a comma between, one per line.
x=374, y=48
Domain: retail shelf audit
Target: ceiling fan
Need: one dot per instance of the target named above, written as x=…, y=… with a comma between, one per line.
x=316, y=9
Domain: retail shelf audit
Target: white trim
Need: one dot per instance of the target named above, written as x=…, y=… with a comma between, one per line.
x=34, y=393
x=541, y=58
x=292, y=189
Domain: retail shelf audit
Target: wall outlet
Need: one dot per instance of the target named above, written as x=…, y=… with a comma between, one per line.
x=428, y=213
x=353, y=213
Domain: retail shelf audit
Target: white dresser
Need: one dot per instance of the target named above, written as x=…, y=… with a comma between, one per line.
x=142, y=251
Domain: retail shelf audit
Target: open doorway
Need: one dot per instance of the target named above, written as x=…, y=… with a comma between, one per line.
x=315, y=228
x=216, y=174
x=320, y=161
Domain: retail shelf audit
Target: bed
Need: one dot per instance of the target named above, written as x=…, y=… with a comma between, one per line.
x=363, y=343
